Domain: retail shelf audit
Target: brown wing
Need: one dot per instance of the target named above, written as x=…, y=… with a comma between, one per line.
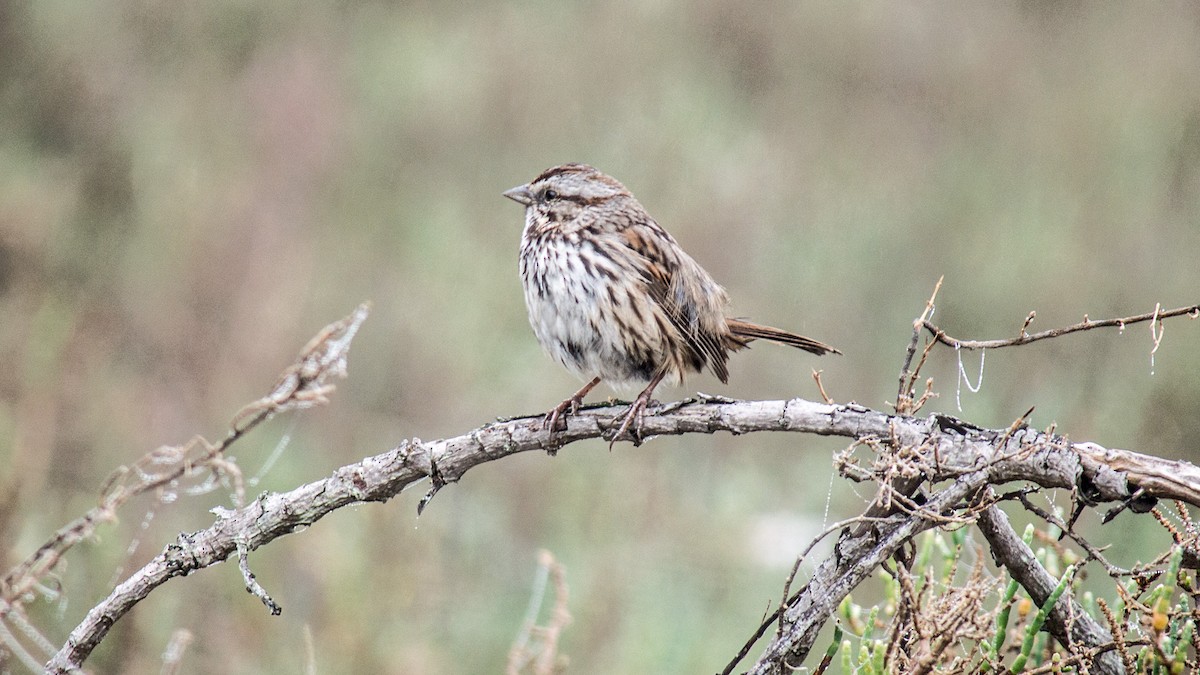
x=686, y=294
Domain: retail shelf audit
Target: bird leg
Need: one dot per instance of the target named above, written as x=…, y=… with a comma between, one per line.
x=632, y=421
x=569, y=406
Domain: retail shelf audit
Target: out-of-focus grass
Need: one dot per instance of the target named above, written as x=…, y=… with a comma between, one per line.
x=188, y=192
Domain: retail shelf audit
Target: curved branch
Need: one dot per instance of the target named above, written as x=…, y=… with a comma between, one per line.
x=949, y=449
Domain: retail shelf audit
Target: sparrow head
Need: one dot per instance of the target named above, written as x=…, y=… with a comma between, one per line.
x=558, y=194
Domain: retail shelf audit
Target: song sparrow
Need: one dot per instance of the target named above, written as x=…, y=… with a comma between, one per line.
x=613, y=297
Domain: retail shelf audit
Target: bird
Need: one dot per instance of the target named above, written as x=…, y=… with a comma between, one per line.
x=613, y=297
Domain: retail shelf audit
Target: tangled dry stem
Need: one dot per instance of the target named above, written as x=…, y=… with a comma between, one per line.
x=955, y=613
x=305, y=383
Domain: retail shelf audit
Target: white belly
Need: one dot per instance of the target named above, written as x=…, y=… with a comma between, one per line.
x=567, y=309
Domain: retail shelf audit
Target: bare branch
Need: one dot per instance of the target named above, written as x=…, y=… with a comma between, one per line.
x=947, y=449
x=911, y=451
x=1068, y=622
x=855, y=557
x=1024, y=338
x=787, y=589
x=253, y=587
x=908, y=375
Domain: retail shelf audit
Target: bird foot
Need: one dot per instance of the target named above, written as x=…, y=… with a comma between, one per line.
x=631, y=422
x=550, y=422
x=555, y=419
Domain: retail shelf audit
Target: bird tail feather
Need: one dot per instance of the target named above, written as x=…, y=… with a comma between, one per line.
x=744, y=332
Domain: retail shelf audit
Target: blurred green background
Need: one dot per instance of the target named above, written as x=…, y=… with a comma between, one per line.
x=190, y=190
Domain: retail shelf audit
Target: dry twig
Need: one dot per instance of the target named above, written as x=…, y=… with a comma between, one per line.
x=908, y=376
x=306, y=383
x=536, y=647
x=1024, y=338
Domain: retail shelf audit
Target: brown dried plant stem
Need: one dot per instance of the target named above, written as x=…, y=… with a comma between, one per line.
x=536, y=648
x=1024, y=338
x=972, y=458
x=908, y=375
x=304, y=384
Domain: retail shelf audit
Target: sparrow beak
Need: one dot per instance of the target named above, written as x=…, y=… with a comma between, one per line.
x=520, y=195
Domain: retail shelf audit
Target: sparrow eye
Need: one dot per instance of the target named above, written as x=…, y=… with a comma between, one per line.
x=549, y=195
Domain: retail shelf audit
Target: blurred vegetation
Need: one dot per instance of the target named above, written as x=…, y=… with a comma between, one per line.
x=955, y=620
x=188, y=191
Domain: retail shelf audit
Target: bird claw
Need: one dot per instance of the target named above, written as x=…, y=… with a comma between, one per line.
x=551, y=420
x=631, y=423
x=570, y=406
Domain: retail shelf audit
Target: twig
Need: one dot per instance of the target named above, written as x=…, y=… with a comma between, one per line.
x=252, y=586
x=307, y=382
x=907, y=377
x=1093, y=552
x=14, y=647
x=1024, y=338
x=788, y=598
x=821, y=387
